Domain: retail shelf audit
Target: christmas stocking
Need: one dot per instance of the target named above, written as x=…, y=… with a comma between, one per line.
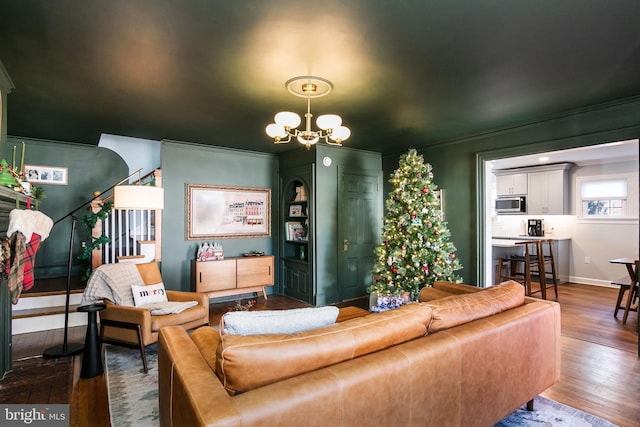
x=27, y=229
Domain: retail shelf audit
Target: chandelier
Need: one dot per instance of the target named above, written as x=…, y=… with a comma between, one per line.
x=286, y=122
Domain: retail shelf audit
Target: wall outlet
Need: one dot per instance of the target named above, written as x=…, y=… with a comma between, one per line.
x=587, y=260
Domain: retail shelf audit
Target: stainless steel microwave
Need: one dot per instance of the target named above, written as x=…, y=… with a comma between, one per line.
x=511, y=205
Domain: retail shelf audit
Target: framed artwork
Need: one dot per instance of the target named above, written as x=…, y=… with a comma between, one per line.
x=46, y=174
x=441, y=200
x=295, y=210
x=216, y=212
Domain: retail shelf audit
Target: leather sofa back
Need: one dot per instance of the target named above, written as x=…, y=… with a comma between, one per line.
x=247, y=362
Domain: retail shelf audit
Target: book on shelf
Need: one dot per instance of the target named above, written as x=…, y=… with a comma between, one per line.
x=291, y=227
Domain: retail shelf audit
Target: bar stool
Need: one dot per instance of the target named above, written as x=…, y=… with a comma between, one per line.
x=521, y=268
x=624, y=288
x=547, y=268
x=632, y=289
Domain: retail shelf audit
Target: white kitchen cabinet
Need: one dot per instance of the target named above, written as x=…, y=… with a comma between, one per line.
x=548, y=193
x=511, y=184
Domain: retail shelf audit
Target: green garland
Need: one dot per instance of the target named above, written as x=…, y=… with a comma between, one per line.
x=89, y=221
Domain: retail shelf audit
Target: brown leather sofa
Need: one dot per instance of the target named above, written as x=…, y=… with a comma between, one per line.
x=452, y=360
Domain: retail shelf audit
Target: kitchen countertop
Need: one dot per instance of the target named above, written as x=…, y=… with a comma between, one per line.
x=510, y=241
x=525, y=237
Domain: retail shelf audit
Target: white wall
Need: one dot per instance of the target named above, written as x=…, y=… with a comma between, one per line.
x=602, y=240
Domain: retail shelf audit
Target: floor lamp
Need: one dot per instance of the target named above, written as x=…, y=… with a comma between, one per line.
x=147, y=197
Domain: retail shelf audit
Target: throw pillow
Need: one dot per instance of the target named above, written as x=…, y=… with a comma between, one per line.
x=277, y=321
x=148, y=294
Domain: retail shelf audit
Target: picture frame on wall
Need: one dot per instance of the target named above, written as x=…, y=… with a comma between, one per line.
x=37, y=174
x=221, y=212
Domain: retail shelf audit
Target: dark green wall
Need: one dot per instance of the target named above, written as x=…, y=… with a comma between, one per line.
x=89, y=169
x=329, y=241
x=325, y=181
x=197, y=164
x=456, y=164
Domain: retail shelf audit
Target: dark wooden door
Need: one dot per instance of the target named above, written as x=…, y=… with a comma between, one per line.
x=359, y=216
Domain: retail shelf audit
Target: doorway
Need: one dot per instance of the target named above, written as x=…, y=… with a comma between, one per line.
x=609, y=152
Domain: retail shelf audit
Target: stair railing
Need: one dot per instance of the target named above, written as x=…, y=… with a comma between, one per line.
x=135, y=235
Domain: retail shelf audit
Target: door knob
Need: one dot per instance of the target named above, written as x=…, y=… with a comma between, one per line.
x=345, y=245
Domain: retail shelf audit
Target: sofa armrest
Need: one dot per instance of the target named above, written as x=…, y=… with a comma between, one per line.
x=127, y=314
x=133, y=315
x=189, y=392
x=182, y=296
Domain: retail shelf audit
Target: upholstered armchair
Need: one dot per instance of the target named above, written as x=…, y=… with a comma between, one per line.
x=123, y=323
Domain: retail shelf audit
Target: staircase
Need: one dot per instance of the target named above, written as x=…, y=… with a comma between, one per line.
x=44, y=311
x=134, y=238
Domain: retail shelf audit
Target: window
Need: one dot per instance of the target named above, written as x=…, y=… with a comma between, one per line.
x=604, y=198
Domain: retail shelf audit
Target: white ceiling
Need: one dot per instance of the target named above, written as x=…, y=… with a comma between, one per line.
x=595, y=154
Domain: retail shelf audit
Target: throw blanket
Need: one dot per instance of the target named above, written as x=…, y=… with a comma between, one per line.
x=169, y=307
x=112, y=282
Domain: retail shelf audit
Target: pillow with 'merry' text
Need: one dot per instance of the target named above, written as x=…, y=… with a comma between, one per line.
x=149, y=294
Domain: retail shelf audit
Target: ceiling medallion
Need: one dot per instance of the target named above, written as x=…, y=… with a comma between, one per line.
x=286, y=122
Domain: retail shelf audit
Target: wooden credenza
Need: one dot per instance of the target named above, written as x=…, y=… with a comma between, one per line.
x=232, y=276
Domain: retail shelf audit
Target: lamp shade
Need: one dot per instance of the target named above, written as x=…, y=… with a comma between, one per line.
x=341, y=133
x=138, y=197
x=287, y=119
x=329, y=121
x=275, y=130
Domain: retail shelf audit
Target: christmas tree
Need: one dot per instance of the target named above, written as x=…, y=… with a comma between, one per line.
x=415, y=249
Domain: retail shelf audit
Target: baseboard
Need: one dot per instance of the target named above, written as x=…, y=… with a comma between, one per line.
x=592, y=282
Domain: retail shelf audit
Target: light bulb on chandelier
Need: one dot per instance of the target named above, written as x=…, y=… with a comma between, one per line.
x=287, y=122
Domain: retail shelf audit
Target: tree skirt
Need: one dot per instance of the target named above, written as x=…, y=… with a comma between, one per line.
x=133, y=397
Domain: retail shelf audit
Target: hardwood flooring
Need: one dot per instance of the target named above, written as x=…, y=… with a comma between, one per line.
x=600, y=364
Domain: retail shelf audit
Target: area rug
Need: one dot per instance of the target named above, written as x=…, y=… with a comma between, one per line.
x=550, y=413
x=133, y=397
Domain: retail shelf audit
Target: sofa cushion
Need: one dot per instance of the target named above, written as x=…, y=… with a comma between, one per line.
x=458, y=309
x=277, y=321
x=247, y=362
x=429, y=293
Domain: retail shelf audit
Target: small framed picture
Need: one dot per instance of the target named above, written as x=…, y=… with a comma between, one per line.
x=295, y=210
x=46, y=174
x=298, y=234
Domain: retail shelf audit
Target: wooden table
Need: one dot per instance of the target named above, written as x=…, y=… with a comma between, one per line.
x=631, y=262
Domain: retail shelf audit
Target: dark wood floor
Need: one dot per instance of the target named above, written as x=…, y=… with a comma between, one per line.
x=600, y=365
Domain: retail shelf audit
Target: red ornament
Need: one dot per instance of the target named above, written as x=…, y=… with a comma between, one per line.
x=436, y=232
x=425, y=268
x=425, y=190
x=386, y=243
x=412, y=216
x=419, y=174
x=453, y=256
x=394, y=270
